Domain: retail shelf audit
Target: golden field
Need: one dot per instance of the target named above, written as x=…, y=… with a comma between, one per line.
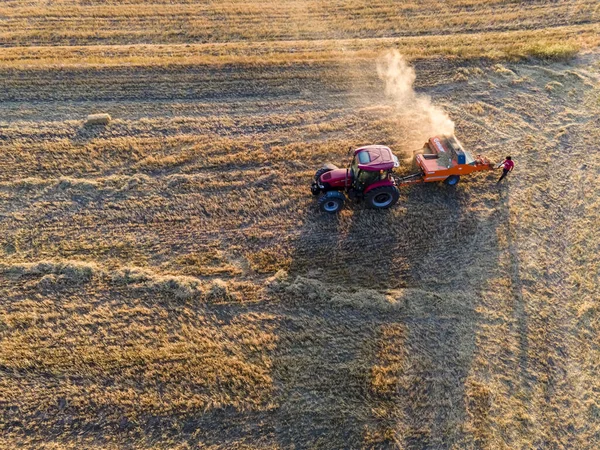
x=167, y=281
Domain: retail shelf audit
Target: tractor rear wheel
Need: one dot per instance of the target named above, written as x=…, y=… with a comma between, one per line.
x=382, y=197
x=331, y=202
x=452, y=180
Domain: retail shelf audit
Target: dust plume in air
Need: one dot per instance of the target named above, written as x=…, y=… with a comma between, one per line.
x=419, y=118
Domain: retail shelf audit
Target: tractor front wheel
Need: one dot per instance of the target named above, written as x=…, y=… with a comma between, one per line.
x=452, y=180
x=331, y=202
x=314, y=187
x=382, y=197
x=321, y=172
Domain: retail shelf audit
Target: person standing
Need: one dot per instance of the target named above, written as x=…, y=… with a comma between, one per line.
x=507, y=166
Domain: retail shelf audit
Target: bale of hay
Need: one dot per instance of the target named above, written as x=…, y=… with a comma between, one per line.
x=97, y=119
x=444, y=160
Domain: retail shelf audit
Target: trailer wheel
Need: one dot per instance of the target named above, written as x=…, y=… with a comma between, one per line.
x=452, y=180
x=382, y=197
x=331, y=202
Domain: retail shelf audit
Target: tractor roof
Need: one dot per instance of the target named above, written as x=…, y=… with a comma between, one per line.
x=374, y=158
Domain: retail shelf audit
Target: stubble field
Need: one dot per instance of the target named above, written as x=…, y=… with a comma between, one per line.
x=167, y=281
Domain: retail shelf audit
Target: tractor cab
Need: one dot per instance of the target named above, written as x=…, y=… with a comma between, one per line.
x=370, y=165
x=368, y=177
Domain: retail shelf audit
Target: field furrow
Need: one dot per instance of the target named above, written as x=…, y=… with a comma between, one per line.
x=167, y=281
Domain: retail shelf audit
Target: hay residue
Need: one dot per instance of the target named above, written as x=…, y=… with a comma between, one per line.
x=74, y=271
x=53, y=272
x=182, y=287
x=302, y=291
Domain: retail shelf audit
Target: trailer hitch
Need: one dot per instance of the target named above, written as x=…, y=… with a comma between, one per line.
x=409, y=179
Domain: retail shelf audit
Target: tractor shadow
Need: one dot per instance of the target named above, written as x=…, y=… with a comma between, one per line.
x=353, y=248
x=386, y=249
x=427, y=252
x=439, y=317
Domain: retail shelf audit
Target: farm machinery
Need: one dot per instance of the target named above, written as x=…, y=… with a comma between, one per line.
x=370, y=176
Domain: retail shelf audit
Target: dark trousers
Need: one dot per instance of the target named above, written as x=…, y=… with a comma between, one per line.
x=504, y=173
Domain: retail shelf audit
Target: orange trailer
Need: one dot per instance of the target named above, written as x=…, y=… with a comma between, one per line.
x=445, y=160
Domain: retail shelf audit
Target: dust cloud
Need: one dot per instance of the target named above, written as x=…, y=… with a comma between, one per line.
x=419, y=119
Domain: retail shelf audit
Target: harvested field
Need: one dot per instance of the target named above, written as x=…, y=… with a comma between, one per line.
x=167, y=281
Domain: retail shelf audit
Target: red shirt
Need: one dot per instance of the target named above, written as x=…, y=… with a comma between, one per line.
x=508, y=164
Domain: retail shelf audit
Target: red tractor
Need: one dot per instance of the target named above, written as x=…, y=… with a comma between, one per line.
x=368, y=178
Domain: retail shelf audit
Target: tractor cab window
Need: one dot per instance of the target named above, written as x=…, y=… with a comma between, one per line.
x=366, y=178
x=364, y=157
x=360, y=158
